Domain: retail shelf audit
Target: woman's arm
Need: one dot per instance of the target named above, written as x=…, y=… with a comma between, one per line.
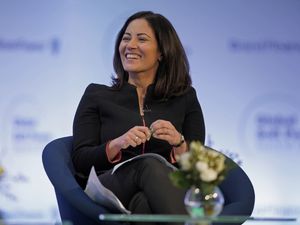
x=88, y=150
x=193, y=126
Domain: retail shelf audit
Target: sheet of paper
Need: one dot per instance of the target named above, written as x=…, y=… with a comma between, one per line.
x=101, y=195
x=154, y=155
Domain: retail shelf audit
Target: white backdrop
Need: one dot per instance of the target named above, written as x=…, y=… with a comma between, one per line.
x=245, y=66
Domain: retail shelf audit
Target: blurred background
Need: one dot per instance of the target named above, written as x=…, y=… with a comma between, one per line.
x=245, y=66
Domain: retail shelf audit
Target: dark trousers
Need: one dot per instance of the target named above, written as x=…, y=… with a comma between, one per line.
x=144, y=186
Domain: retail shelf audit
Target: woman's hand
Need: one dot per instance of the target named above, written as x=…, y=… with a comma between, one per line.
x=164, y=130
x=133, y=137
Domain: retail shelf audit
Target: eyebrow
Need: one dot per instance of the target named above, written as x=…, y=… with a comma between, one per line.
x=139, y=34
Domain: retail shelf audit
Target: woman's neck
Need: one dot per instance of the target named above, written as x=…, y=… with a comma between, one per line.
x=141, y=84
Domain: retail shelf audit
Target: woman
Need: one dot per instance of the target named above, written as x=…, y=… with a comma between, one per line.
x=150, y=107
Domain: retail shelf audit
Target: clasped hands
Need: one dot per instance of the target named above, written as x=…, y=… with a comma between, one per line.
x=160, y=129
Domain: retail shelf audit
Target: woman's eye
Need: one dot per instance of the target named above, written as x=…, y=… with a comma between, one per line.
x=142, y=39
x=125, y=38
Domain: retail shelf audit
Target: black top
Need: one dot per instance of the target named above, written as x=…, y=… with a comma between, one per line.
x=105, y=113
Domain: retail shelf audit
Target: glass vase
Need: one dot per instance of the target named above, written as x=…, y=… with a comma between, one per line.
x=199, y=204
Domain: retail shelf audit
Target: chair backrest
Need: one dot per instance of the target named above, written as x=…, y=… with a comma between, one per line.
x=238, y=193
x=74, y=205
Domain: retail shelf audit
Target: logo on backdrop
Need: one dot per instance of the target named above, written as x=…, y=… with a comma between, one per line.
x=52, y=45
x=271, y=123
x=23, y=126
x=238, y=45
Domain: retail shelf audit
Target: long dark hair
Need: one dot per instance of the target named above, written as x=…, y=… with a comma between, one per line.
x=172, y=76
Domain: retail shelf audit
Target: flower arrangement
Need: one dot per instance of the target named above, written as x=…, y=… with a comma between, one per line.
x=201, y=167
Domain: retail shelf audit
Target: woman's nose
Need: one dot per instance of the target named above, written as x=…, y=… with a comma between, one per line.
x=132, y=43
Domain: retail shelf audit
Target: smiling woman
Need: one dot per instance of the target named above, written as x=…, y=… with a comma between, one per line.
x=150, y=108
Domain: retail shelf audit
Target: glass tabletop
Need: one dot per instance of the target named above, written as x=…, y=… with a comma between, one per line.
x=188, y=219
x=30, y=221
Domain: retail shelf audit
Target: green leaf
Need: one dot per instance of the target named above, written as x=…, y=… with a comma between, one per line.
x=178, y=179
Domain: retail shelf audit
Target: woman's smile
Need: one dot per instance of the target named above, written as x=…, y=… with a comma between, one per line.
x=132, y=56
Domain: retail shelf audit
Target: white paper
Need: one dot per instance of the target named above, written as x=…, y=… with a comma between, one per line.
x=101, y=195
x=153, y=155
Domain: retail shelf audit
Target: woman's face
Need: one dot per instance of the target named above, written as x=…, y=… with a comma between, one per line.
x=138, y=49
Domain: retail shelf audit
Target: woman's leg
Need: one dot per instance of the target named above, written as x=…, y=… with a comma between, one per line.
x=121, y=183
x=152, y=177
x=139, y=205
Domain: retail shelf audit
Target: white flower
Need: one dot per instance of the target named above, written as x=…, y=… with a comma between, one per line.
x=213, y=154
x=220, y=164
x=193, y=145
x=185, y=161
x=208, y=175
x=201, y=166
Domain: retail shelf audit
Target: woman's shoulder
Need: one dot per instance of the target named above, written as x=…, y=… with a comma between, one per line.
x=94, y=88
x=189, y=92
x=190, y=95
x=97, y=87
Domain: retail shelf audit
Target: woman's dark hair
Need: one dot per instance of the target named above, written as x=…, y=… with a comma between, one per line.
x=172, y=77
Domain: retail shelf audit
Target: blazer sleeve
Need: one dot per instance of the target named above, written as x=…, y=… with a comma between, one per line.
x=88, y=150
x=194, y=126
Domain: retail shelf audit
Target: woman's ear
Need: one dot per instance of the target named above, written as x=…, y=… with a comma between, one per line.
x=159, y=57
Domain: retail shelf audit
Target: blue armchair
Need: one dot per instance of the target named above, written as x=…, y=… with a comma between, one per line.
x=76, y=207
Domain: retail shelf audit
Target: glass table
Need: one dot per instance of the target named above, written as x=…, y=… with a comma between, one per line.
x=166, y=219
x=189, y=220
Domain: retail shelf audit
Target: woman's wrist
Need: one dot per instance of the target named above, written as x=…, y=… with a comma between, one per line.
x=114, y=145
x=113, y=155
x=181, y=141
x=179, y=150
x=113, y=148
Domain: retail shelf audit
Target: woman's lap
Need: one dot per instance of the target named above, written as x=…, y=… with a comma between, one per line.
x=150, y=177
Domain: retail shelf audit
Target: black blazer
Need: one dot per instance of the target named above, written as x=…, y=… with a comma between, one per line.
x=105, y=113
